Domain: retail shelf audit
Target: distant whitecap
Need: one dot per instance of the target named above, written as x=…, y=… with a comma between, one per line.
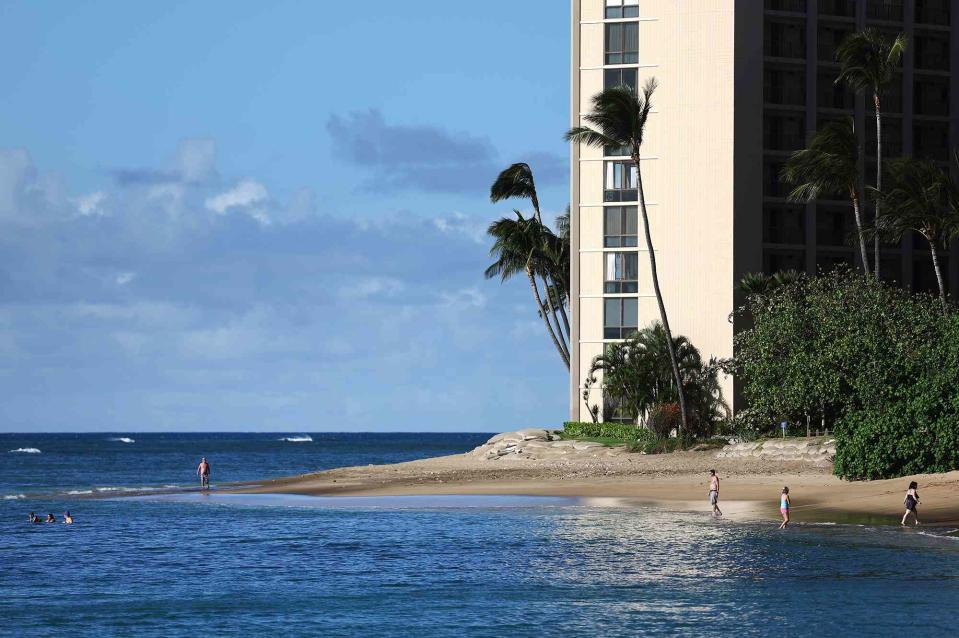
x=11, y=497
x=122, y=439
x=25, y=450
x=306, y=438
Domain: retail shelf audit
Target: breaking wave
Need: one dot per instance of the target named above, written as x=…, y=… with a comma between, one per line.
x=306, y=438
x=25, y=450
x=122, y=439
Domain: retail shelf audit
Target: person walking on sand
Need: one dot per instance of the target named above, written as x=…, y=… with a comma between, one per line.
x=911, y=501
x=203, y=471
x=784, y=507
x=714, y=493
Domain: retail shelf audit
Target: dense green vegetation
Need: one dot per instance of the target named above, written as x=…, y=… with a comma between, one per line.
x=878, y=364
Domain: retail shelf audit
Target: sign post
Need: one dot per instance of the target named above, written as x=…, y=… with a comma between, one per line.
x=782, y=426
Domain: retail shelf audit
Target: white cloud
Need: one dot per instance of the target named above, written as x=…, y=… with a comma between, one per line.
x=248, y=195
x=460, y=224
x=367, y=287
x=90, y=204
x=124, y=278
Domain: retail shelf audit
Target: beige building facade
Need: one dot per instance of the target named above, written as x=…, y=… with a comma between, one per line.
x=742, y=83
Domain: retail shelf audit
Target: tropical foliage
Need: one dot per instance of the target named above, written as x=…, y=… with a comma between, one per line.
x=526, y=245
x=618, y=120
x=868, y=64
x=921, y=197
x=829, y=167
x=875, y=363
x=637, y=376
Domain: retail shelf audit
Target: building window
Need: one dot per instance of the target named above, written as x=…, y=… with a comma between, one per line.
x=622, y=9
x=620, y=227
x=891, y=137
x=841, y=8
x=784, y=86
x=830, y=37
x=784, y=224
x=622, y=43
x=785, y=39
x=933, y=12
x=932, y=50
x=620, y=182
x=772, y=185
x=931, y=96
x=619, y=77
x=797, y=6
x=621, y=273
x=784, y=131
x=888, y=10
x=833, y=95
x=931, y=140
x=834, y=224
x=613, y=412
x=777, y=260
x=620, y=317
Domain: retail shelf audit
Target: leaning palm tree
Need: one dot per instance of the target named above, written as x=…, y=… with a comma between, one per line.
x=618, y=119
x=868, y=63
x=830, y=166
x=552, y=258
x=517, y=247
x=516, y=181
x=921, y=197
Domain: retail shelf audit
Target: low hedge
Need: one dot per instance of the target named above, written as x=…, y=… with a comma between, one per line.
x=623, y=431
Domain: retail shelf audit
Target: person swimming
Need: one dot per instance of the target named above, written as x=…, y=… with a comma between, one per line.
x=784, y=507
x=67, y=519
x=33, y=518
x=51, y=518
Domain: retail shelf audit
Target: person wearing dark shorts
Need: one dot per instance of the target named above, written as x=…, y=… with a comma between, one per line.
x=714, y=492
x=911, y=501
x=203, y=471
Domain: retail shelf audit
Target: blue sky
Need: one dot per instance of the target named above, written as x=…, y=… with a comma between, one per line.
x=270, y=216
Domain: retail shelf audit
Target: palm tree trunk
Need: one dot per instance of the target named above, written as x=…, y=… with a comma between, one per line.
x=938, y=269
x=862, y=238
x=875, y=98
x=659, y=296
x=562, y=311
x=552, y=310
x=545, y=315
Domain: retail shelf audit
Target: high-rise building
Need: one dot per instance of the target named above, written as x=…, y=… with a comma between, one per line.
x=742, y=84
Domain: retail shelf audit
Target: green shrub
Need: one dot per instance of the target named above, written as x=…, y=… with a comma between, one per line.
x=622, y=431
x=879, y=363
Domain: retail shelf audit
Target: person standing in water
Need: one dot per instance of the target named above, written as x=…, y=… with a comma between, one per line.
x=203, y=471
x=784, y=507
x=714, y=492
x=911, y=501
x=67, y=519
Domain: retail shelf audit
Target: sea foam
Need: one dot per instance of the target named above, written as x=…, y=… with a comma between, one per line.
x=12, y=497
x=122, y=439
x=25, y=450
x=306, y=438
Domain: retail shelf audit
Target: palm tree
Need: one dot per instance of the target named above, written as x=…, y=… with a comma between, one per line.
x=830, y=166
x=619, y=119
x=517, y=247
x=761, y=285
x=868, y=63
x=922, y=198
x=517, y=181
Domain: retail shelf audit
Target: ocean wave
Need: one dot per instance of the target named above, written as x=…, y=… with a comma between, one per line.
x=12, y=497
x=306, y=438
x=25, y=450
x=79, y=492
x=122, y=439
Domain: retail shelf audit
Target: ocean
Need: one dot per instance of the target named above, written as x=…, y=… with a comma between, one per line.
x=235, y=565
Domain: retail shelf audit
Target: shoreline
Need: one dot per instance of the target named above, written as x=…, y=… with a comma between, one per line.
x=749, y=488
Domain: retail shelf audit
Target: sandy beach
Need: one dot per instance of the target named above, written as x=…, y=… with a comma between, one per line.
x=749, y=488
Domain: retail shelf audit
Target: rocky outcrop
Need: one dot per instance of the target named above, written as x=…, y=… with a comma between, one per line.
x=818, y=451
x=537, y=444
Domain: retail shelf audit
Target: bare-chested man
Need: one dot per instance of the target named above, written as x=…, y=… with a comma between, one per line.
x=203, y=471
x=714, y=492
